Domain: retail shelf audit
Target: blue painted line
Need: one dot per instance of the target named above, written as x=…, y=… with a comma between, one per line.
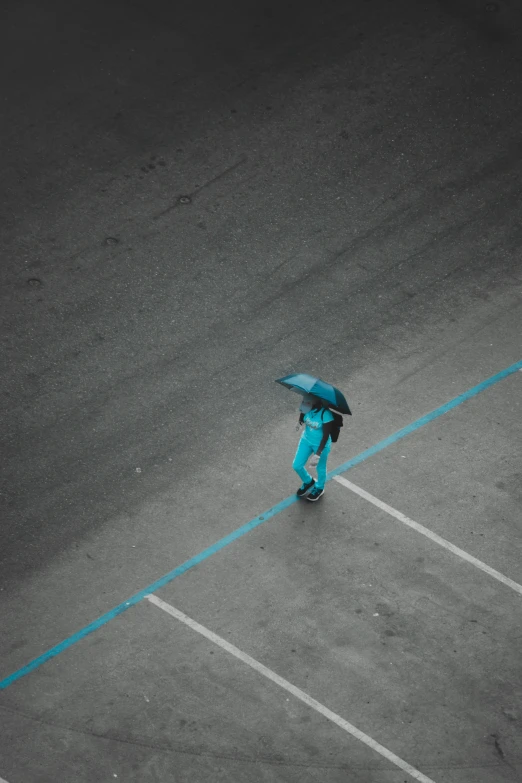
x=241, y=531
x=186, y=566
x=425, y=419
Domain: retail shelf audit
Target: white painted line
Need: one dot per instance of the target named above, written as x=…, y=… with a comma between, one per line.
x=2, y=780
x=287, y=686
x=433, y=536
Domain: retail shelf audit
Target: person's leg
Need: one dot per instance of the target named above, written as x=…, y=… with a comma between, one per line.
x=321, y=469
x=302, y=455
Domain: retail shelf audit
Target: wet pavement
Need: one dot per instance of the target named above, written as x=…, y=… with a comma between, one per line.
x=196, y=201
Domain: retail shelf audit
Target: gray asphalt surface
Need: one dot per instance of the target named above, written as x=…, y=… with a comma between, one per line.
x=196, y=200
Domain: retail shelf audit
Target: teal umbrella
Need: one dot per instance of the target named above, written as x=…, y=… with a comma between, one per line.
x=307, y=384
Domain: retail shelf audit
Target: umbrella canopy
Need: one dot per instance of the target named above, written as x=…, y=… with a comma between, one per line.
x=308, y=384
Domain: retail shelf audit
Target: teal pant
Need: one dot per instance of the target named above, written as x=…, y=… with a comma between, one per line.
x=303, y=454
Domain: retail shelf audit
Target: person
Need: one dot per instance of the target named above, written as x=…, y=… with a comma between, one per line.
x=315, y=439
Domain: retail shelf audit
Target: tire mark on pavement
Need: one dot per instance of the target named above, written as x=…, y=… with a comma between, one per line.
x=273, y=760
x=198, y=190
x=451, y=346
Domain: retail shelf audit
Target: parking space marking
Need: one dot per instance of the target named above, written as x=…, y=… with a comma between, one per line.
x=429, y=534
x=241, y=531
x=287, y=686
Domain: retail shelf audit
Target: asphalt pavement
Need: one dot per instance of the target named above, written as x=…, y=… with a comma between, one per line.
x=196, y=200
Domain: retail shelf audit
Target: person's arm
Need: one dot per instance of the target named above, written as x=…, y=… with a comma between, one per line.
x=327, y=431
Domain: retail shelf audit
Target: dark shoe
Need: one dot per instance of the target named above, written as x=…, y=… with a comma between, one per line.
x=315, y=494
x=301, y=492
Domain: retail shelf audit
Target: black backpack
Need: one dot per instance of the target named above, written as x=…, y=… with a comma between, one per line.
x=337, y=423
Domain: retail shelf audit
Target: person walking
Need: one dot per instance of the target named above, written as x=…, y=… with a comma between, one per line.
x=315, y=440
